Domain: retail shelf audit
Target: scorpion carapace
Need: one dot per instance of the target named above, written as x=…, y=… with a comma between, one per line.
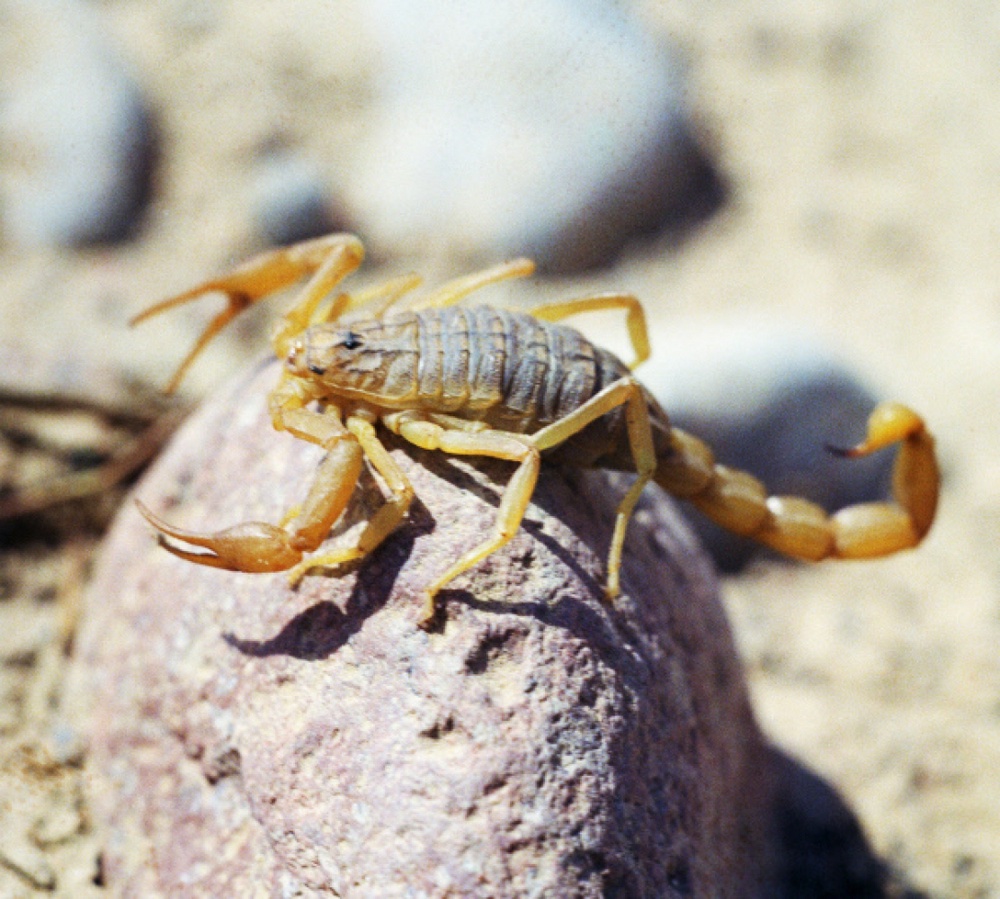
x=483, y=381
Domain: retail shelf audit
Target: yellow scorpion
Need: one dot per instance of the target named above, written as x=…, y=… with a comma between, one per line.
x=483, y=381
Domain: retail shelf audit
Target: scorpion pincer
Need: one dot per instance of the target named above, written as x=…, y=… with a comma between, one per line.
x=482, y=381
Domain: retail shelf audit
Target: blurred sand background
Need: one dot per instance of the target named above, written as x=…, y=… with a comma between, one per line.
x=860, y=144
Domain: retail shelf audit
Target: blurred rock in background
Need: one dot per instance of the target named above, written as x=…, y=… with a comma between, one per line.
x=553, y=129
x=77, y=139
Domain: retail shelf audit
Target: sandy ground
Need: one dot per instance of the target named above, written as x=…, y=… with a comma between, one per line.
x=861, y=146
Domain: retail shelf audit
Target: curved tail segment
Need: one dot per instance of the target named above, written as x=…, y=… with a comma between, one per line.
x=799, y=528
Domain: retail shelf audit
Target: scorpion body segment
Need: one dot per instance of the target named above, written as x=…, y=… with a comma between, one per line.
x=519, y=386
x=506, y=369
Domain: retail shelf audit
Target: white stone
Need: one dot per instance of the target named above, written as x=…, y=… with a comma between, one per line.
x=552, y=128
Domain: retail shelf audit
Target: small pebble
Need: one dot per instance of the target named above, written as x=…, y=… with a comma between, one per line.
x=66, y=745
x=76, y=133
x=556, y=129
x=57, y=825
x=768, y=400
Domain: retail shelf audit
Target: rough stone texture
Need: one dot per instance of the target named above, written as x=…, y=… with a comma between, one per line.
x=250, y=739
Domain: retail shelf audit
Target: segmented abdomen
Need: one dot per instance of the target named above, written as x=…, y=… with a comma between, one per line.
x=511, y=370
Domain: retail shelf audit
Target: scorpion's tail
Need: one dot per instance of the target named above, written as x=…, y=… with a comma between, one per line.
x=799, y=528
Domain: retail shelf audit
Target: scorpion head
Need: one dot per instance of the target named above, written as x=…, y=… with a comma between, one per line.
x=363, y=361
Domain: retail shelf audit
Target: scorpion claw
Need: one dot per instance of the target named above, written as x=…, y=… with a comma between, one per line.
x=253, y=546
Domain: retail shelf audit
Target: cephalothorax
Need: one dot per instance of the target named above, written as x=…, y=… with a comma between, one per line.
x=483, y=381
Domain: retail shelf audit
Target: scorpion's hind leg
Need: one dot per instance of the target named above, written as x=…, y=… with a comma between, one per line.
x=328, y=259
x=623, y=392
x=527, y=452
x=799, y=528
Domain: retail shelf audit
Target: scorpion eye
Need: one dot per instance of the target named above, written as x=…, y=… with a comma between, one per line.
x=352, y=341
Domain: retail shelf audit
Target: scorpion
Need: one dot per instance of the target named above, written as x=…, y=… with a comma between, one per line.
x=480, y=380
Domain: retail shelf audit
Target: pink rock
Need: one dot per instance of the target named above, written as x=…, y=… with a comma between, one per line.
x=247, y=738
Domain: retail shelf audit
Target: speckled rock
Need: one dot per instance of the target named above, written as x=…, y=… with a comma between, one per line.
x=251, y=739
x=556, y=129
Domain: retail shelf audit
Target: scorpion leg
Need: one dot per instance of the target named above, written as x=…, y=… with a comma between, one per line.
x=799, y=528
x=328, y=259
x=513, y=504
x=457, y=290
x=635, y=317
x=627, y=392
x=384, y=522
x=379, y=298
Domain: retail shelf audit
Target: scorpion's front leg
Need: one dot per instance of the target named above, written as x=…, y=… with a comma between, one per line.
x=799, y=528
x=257, y=546
x=327, y=259
x=385, y=520
x=452, y=292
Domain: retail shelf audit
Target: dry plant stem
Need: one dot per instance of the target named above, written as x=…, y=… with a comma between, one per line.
x=51, y=665
x=122, y=464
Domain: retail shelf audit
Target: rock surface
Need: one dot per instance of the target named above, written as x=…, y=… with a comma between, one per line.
x=250, y=739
